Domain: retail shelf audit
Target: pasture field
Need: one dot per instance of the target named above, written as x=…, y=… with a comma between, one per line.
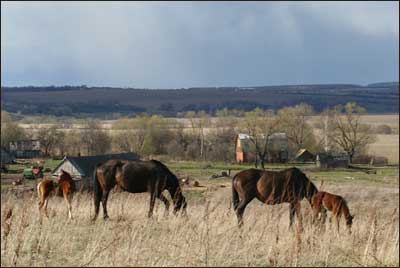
x=209, y=235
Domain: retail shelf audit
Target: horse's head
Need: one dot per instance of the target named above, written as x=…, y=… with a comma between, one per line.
x=349, y=220
x=176, y=192
x=180, y=203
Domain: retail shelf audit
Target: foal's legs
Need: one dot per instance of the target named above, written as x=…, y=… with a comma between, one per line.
x=45, y=206
x=241, y=207
x=43, y=203
x=68, y=199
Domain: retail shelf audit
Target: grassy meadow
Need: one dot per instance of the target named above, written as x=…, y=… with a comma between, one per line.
x=209, y=235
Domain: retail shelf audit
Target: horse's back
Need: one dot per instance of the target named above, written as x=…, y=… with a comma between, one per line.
x=142, y=176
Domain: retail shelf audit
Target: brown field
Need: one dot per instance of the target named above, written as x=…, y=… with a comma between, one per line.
x=209, y=235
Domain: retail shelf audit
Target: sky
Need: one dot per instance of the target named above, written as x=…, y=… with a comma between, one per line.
x=198, y=44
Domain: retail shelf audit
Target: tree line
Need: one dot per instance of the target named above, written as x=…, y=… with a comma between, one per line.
x=200, y=136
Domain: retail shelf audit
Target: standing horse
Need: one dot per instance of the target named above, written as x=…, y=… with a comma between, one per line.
x=323, y=201
x=65, y=186
x=272, y=187
x=136, y=177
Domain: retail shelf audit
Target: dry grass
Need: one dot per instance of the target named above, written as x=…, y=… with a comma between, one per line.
x=387, y=146
x=209, y=235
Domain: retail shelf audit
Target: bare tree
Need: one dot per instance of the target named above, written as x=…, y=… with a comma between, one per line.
x=348, y=132
x=94, y=139
x=199, y=121
x=143, y=134
x=47, y=138
x=73, y=143
x=10, y=131
x=260, y=125
x=294, y=124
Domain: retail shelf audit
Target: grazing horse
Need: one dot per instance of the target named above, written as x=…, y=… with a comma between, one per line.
x=272, y=187
x=323, y=201
x=65, y=187
x=136, y=177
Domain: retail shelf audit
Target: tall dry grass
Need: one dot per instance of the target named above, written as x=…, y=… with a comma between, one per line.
x=209, y=236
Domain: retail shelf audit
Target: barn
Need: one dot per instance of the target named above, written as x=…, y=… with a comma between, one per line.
x=332, y=160
x=25, y=148
x=304, y=155
x=277, y=148
x=81, y=168
x=6, y=157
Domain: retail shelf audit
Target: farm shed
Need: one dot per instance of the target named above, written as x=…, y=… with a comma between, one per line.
x=25, y=148
x=6, y=157
x=81, y=168
x=332, y=160
x=304, y=155
x=277, y=151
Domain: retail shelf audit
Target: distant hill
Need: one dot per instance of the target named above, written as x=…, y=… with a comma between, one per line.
x=101, y=101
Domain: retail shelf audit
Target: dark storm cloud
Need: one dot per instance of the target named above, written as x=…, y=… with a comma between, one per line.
x=183, y=44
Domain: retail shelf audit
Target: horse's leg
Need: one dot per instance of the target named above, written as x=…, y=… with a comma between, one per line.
x=292, y=211
x=316, y=212
x=104, y=203
x=152, y=202
x=67, y=198
x=241, y=207
x=337, y=217
x=166, y=202
x=96, y=208
x=45, y=206
x=299, y=216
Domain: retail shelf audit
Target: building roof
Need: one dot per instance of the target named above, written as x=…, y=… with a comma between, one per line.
x=301, y=152
x=276, y=142
x=277, y=135
x=86, y=164
x=243, y=136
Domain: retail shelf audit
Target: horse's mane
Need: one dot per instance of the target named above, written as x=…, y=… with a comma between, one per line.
x=166, y=169
x=311, y=189
x=66, y=173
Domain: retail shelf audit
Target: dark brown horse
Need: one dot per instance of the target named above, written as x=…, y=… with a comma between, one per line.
x=64, y=186
x=271, y=187
x=323, y=201
x=136, y=177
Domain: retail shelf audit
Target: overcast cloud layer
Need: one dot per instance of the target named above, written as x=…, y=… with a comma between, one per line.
x=186, y=44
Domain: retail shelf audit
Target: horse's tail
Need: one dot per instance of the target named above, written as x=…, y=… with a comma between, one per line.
x=97, y=191
x=235, y=195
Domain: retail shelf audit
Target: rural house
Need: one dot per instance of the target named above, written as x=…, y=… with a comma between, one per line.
x=81, y=168
x=277, y=148
x=25, y=148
